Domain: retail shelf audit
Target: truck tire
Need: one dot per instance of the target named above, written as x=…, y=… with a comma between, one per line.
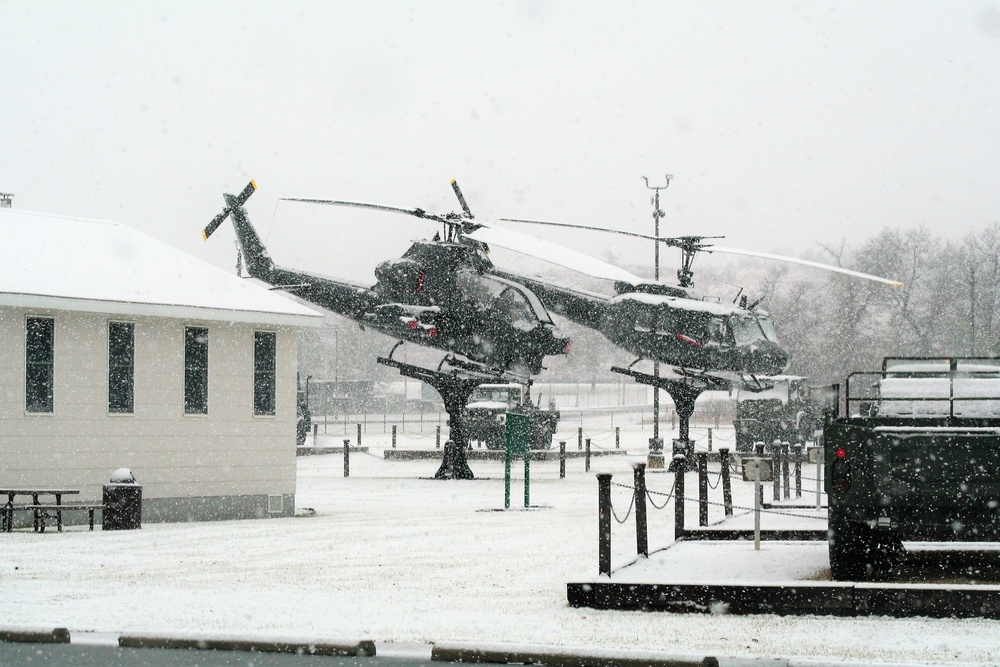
x=495, y=441
x=858, y=554
x=846, y=542
x=542, y=437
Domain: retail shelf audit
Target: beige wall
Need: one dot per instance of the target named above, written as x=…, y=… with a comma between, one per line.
x=228, y=452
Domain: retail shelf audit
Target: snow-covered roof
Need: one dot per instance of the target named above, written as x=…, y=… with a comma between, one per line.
x=50, y=261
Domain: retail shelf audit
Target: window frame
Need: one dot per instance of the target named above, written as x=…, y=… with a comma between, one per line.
x=196, y=371
x=48, y=405
x=129, y=369
x=271, y=373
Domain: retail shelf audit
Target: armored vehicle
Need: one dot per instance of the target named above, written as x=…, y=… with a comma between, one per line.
x=917, y=458
x=781, y=408
x=486, y=414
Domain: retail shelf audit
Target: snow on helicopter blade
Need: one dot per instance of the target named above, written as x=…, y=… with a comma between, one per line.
x=804, y=262
x=573, y=226
x=420, y=213
x=550, y=252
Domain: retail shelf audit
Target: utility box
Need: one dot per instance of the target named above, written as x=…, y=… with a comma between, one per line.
x=122, y=502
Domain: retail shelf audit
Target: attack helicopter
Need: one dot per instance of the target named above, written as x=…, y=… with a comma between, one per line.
x=441, y=294
x=673, y=324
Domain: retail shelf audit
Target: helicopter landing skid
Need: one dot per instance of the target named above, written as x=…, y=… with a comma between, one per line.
x=683, y=393
x=455, y=388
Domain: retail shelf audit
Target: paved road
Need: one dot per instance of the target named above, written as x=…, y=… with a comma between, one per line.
x=85, y=655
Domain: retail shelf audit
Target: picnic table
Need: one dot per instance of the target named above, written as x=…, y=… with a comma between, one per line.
x=40, y=509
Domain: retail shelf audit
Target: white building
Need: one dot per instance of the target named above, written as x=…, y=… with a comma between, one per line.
x=117, y=350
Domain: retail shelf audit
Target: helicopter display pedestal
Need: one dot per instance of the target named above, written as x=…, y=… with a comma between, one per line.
x=683, y=393
x=455, y=388
x=654, y=460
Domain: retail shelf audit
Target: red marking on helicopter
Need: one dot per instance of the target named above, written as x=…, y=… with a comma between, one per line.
x=690, y=341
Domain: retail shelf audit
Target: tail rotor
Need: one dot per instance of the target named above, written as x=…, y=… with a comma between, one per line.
x=239, y=200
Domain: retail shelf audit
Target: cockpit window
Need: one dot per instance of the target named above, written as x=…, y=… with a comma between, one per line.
x=716, y=331
x=746, y=329
x=513, y=302
x=644, y=319
x=768, y=326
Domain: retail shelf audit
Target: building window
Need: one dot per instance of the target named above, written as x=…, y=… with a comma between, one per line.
x=121, y=367
x=195, y=371
x=39, y=339
x=263, y=372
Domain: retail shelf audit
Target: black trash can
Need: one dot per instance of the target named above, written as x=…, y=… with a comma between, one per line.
x=122, y=502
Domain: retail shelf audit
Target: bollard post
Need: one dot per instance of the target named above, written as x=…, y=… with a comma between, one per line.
x=359, y=435
x=587, y=457
x=579, y=438
x=709, y=438
x=604, y=524
x=618, y=436
x=347, y=458
x=727, y=487
x=784, y=471
x=641, y=535
x=437, y=438
x=680, y=464
x=562, y=459
x=798, y=470
x=394, y=436
x=702, y=488
x=315, y=433
x=775, y=459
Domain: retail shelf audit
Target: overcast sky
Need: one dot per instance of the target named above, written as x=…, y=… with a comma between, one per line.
x=784, y=123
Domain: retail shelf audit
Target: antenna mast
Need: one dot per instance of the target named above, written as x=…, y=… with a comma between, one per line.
x=656, y=444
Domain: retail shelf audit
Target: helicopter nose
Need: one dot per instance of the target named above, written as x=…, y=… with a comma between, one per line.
x=767, y=358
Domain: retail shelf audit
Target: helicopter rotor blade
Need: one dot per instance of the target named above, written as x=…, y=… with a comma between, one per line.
x=550, y=252
x=693, y=242
x=804, y=262
x=416, y=212
x=461, y=198
x=573, y=226
x=239, y=201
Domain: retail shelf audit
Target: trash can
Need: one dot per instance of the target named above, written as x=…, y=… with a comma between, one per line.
x=122, y=502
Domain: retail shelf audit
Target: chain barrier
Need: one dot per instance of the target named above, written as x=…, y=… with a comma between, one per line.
x=762, y=510
x=628, y=513
x=717, y=480
x=649, y=495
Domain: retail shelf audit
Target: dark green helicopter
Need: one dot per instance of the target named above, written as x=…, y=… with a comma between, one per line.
x=441, y=293
x=671, y=324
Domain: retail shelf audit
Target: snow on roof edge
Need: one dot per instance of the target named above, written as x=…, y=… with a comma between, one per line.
x=159, y=310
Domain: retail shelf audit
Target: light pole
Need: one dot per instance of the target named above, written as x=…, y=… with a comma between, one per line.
x=656, y=444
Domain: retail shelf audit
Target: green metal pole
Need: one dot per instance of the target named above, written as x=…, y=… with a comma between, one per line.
x=527, y=466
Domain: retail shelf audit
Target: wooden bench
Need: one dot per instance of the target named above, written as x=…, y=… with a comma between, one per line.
x=45, y=512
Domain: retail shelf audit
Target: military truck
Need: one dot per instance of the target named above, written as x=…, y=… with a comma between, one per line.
x=917, y=458
x=775, y=408
x=485, y=415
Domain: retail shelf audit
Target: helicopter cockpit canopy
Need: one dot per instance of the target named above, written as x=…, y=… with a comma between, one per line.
x=751, y=328
x=511, y=300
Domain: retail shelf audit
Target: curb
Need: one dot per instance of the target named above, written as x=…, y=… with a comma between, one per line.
x=557, y=656
x=297, y=645
x=35, y=635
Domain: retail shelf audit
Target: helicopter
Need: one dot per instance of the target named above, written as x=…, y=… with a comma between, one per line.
x=674, y=324
x=441, y=294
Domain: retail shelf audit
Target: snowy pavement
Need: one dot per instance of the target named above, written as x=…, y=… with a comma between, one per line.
x=395, y=556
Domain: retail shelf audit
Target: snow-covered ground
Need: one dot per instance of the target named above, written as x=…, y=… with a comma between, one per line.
x=395, y=556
